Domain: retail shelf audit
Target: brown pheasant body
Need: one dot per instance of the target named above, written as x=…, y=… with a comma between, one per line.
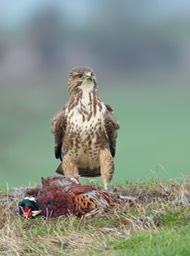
x=58, y=197
x=85, y=130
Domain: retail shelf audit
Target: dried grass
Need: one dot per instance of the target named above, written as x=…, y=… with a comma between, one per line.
x=143, y=210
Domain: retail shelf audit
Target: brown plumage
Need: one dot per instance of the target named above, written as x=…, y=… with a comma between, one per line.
x=85, y=130
x=63, y=196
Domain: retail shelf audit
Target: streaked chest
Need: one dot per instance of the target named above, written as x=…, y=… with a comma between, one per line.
x=86, y=119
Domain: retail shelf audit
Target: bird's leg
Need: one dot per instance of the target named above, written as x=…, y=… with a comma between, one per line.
x=106, y=166
x=70, y=169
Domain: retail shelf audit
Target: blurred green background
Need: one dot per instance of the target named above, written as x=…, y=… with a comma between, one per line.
x=140, y=51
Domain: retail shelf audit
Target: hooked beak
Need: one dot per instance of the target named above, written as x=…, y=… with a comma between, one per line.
x=89, y=76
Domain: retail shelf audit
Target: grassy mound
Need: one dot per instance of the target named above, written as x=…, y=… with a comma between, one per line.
x=154, y=221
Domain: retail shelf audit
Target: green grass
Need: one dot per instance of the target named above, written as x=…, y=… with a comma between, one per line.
x=166, y=242
x=153, y=226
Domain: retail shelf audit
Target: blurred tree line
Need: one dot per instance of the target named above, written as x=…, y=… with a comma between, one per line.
x=118, y=35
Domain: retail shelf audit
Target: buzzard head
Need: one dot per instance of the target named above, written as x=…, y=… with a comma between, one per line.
x=82, y=79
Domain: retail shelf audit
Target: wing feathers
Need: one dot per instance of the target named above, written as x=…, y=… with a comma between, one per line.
x=111, y=126
x=58, y=127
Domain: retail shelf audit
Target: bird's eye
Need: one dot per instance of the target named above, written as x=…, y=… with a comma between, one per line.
x=80, y=75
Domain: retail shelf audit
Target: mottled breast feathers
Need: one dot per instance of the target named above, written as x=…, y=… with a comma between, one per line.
x=59, y=124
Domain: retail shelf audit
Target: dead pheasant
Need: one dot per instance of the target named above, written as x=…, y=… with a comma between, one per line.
x=63, y=196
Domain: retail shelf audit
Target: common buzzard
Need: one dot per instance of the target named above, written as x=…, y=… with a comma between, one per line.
x=85, y=130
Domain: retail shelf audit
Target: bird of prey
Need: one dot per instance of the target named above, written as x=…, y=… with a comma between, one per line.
x=85, y=130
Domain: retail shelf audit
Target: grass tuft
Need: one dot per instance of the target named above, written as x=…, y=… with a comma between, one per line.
x=156, y=222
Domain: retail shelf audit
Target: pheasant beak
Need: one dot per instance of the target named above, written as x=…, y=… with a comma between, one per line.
x=35, y=213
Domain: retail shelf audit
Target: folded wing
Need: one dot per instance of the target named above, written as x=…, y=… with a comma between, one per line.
x=111, y=126
x=58, y=128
